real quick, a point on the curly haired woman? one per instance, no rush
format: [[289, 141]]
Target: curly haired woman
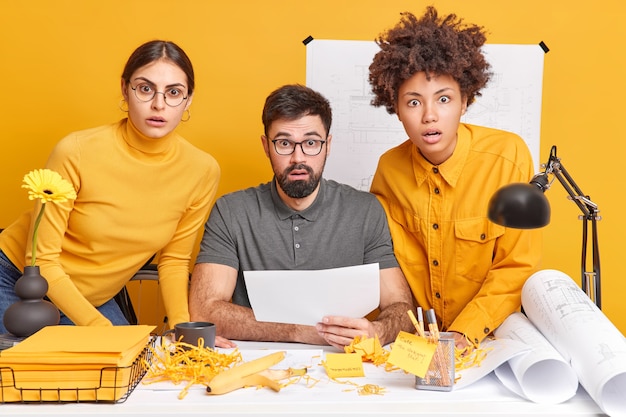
[[435, 187]]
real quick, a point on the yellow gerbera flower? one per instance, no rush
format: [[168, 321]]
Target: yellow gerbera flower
[[46, 185]]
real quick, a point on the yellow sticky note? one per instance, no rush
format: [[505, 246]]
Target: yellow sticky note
[[412, 353], [344, 365]]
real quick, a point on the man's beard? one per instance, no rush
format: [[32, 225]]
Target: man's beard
[[298, 188]]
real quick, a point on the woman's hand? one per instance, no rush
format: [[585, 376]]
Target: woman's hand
[[461, 343]]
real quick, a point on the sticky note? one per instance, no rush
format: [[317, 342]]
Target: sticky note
[[344, 365], [412, 353]]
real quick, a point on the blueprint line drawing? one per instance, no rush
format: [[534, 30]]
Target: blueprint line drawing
[[339, 70]]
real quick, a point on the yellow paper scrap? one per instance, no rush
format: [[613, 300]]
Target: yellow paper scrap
[[369, 348], [344, 365], [412, 353], [366, 345]]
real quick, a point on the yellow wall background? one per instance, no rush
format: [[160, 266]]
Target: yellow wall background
[[62, 60]]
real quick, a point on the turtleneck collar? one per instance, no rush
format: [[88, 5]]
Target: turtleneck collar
[[143, 146]]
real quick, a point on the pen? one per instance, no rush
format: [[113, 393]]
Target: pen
[[419, 329], [420, 319], [432, 325]]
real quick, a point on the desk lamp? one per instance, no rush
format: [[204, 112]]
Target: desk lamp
[[524, 206]]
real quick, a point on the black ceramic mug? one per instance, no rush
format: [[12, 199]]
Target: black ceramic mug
[[191, 331]]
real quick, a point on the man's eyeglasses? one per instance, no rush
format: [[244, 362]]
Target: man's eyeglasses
[[310, 147], [173, 97]]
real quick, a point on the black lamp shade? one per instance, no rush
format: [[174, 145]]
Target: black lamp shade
[[519, 206]]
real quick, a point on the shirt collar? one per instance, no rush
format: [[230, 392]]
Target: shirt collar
[[311, 213], [452, 168]]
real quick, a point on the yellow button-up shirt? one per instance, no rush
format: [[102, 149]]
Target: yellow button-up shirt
[[468, 269]]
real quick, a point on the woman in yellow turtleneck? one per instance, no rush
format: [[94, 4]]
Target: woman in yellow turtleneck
[[141, 189]]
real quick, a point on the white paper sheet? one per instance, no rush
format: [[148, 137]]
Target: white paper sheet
[[304, 297]]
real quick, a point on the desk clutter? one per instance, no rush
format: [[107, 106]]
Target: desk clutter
[[75, 364], [563, 348]]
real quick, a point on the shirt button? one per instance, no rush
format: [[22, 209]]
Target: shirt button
[[486, 330], [482, 236], [435, 226], [436, 190], [296, 228], [436, 262], [436, 170], [297, 246], [437, 295]]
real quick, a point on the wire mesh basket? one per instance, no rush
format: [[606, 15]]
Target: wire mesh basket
[[104, 385], [440, 373]]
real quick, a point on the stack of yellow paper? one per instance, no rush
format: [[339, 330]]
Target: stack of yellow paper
[[72, 363]]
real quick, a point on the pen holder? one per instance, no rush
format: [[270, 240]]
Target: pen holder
[[440, 374]]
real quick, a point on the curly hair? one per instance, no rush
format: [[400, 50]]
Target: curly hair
[[440, 46]]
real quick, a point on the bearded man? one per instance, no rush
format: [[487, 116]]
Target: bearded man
[[297, 221]]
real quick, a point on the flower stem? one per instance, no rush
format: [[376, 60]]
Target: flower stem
[[35, 230]]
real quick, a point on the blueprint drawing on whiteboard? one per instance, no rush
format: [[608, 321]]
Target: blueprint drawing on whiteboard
[[361, 132]]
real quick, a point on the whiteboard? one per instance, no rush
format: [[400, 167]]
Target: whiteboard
[[339, 70]]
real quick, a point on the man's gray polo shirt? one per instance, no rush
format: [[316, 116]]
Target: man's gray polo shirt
[[253, 229]]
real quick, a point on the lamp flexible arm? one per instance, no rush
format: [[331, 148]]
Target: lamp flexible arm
[[586, 206], [590, 280]]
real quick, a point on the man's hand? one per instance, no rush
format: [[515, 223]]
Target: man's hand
[[341, 331], [222, 342]]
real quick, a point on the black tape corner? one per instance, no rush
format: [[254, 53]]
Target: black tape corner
[[544, 47], [307, 40]]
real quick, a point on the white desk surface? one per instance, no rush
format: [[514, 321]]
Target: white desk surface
[[486, 397]]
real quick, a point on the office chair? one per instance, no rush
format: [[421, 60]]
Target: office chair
[[148, 272]]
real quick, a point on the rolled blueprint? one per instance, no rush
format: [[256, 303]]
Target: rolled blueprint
[[580, 331]]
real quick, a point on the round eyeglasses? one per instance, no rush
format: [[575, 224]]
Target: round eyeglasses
[[310, 147], [173, 96]]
